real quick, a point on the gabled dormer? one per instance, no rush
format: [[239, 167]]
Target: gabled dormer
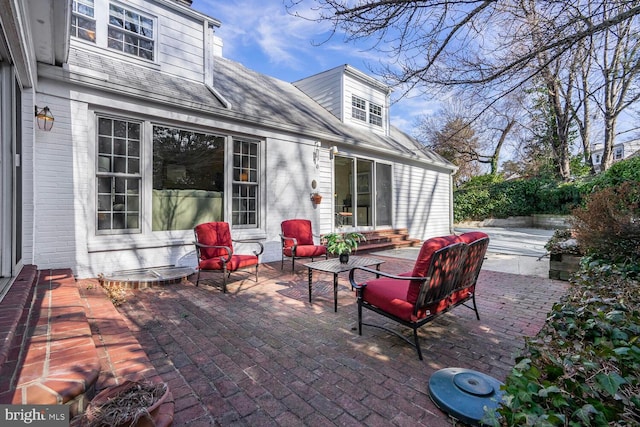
[[352, 96], [164, 35]]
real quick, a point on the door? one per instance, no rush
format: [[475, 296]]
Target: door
[[383, 195]]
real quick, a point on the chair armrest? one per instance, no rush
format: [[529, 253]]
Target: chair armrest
[[226, 248], [378, 274], [257, 242], [283, 238]]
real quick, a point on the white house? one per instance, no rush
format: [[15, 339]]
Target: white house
[[155, 131], [620, 151]]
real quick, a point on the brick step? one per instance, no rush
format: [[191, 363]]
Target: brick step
[[386, 239], [52, 358]]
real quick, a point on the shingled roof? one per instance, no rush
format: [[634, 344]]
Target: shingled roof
[[239, 94]]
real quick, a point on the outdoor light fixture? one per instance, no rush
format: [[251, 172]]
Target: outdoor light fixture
[[333, 150], [44, 118], [316, 154]]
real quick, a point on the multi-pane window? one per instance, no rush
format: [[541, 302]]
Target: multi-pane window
[[375, 114], [130, 32], [617, 153], [188, 178], [245, 184], [118, 175], [83, 22], [359, 111], [358, 108]]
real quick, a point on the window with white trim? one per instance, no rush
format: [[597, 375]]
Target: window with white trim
[[375, 114], [118, 176], [83, 20], [130, 32], [358, 108], [367, 112], [246, 177], [618, 153]]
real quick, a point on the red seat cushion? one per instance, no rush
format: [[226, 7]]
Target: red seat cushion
[[421, 267], [215, 234], [307, 251], [300, 229], [390, 296], [472, 236], [236, 262]]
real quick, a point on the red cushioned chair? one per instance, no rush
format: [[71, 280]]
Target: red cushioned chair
[[297, 242], [417, 297], [214, 248]]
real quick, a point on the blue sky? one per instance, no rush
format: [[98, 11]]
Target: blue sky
[[261, 35]]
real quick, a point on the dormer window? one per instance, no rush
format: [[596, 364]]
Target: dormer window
[[130, 32], [358, 108], [617, 154], [83, 20], [375, 114], [359, 111]]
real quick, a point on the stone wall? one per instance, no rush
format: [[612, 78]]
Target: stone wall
[[549, 222]]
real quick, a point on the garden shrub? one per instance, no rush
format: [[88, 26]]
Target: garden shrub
[[582, 368], [620, 172], [608, 227]]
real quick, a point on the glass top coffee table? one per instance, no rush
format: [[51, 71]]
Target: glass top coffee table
[[334, 266]]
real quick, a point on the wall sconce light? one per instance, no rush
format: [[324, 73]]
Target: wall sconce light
[[44, 118], [316, 154], [333, 151]]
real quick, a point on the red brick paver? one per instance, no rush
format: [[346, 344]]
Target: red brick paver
[[261, 355]]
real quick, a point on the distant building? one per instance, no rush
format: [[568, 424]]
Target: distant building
[[621, 151]]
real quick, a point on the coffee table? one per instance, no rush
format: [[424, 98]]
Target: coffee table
[[334, 266]]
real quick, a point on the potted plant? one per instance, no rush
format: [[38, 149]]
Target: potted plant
[[316, 197], [342, 244], [564, 255]]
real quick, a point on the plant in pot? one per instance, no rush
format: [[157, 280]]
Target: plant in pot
[[342, 244], [316, 197]]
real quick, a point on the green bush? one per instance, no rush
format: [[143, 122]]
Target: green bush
[[625, 171], [481, 199], [490, 196], [582, 368]]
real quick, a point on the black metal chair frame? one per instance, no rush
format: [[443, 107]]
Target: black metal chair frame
[[427, 296], [283, 238], [226, 259]]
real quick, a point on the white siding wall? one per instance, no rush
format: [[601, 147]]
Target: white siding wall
[[179, 39], [326, 89], [421, 201], [356, 87], [65, 184]]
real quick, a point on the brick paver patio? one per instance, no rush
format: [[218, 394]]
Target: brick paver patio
[[261, 355]]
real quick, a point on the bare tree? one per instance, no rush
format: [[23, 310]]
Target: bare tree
[[503, 46], [618, 61], [450, 134]]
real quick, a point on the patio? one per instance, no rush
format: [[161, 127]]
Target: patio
[[261, 355]]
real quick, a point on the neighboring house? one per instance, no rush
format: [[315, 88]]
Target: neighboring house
[[156, 132], [620, 151]]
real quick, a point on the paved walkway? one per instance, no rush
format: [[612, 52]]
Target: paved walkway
[[261, 355]]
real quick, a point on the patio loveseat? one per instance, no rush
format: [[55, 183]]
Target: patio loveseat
[[443, 277]]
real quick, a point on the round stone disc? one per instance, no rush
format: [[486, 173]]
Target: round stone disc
[[464, 394]]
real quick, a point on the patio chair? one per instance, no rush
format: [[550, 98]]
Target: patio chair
[[297, 242], [466, 287], [415, 298], [214, 248]]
